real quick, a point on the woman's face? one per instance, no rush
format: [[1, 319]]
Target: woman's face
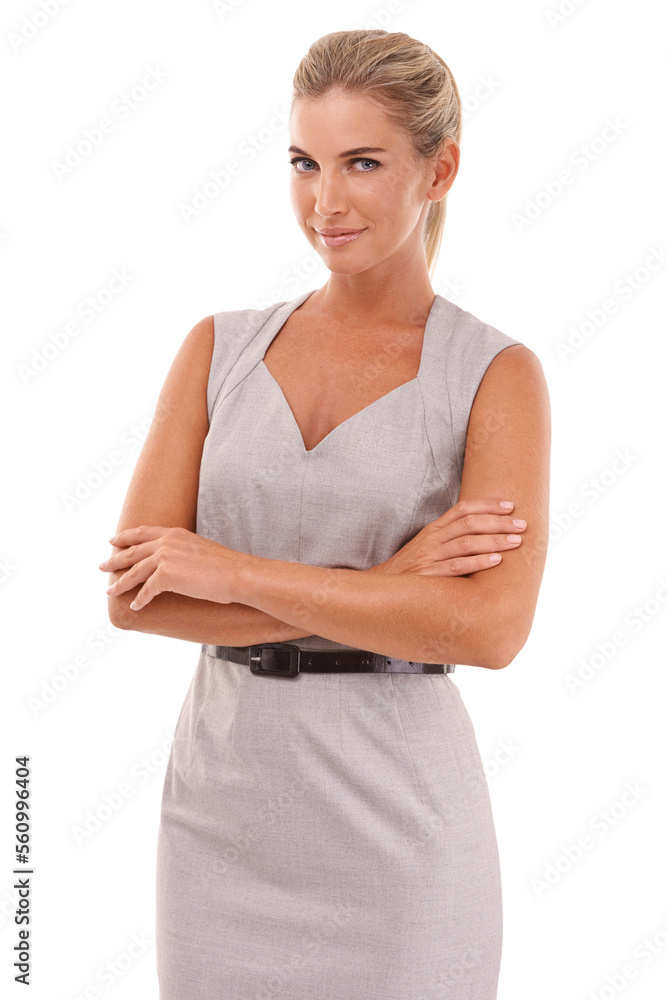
[[353, 169]]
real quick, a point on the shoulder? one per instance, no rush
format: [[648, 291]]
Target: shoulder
[[514, 374], [517, 365], [230, 346], [510, 417], [197, 346], [513, 398], [465, 347], [234, 321], [469, 335], [200, 340], [479, 351], [210, 340], [193, 359], [208, 345]]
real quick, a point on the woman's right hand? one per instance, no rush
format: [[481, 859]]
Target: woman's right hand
[[462, 541]]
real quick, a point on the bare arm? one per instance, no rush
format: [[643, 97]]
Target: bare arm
[[508, 452], [163, 490], [203, 621], [483, 619]]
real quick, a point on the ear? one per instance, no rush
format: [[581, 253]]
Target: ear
[[445, 168]]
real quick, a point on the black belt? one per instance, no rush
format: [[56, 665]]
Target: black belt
[[285, 659]]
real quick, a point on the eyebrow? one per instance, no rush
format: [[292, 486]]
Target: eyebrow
[[350, 152]]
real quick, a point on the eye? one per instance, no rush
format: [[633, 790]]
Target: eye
[[365, 159], [358, 159], [300, 159]]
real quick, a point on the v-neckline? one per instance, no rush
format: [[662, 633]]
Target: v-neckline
[[274, 333]]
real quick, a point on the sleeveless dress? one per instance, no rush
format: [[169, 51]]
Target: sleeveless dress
[[329, 836]]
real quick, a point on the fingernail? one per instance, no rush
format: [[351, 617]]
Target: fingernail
[[506, 503]]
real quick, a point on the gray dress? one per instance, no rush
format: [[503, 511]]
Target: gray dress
[[329, 836]]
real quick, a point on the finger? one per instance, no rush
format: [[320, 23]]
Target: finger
[[143, 533], [463, 565], [473, 505], [473, 545], [137, 574], [472, 524], [151, 587], [143, 597], [126, 557]]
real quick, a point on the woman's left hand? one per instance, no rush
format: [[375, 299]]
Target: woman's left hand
[[173, 559]]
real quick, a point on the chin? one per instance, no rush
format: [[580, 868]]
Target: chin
[[335, 268]]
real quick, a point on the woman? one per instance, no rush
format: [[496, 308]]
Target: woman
[[331, 475]]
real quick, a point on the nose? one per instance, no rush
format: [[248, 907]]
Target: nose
[[330, 198]]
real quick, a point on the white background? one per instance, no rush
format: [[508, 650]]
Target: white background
[[538, 92]]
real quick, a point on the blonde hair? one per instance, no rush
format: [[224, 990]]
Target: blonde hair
[[408, 80]]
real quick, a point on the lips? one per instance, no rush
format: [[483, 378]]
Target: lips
[[338, 232], [341, 237]]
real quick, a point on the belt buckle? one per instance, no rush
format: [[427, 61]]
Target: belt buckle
[[274, 668]]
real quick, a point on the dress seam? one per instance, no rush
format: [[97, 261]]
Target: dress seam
[[195, 726], [221, 395], [405, 738], [430, 446], [303, 484], [449, 396], [433, 462]]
